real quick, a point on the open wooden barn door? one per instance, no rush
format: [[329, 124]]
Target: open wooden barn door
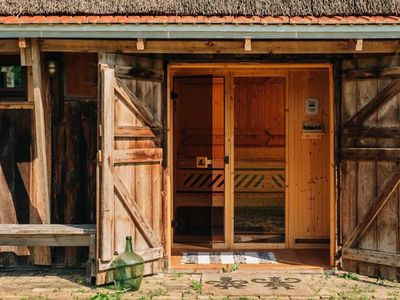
[[130, 160], [370, 169]]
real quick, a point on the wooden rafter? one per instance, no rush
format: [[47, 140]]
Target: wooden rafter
[[134, 212], [136, 105], [389, 186], [381, 98]]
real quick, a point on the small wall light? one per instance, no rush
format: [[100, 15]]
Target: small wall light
[[51, 67]]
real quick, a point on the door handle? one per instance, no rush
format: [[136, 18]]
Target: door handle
[[202, 162]]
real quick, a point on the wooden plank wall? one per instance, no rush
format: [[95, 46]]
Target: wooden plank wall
[[74, 147], [308, 159], [144, 181], [15, 176], [362, 180], [259, 118]]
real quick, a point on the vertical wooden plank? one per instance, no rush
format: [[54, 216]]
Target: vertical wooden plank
[[40, 209], [107, 164], [293, 183], [157, 200], [143, 175], [169, 179], [123, 225], [367, 177], [349, 168], [229, 103], [331, 166], [387, 220]]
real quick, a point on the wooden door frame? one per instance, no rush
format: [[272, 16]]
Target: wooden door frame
[[249, 69]]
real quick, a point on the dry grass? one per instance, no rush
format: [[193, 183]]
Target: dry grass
[[201, 7]]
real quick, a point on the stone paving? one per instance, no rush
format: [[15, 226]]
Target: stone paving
[[238, 285]]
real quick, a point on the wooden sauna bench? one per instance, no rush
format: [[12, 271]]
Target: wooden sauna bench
[[55, 235]]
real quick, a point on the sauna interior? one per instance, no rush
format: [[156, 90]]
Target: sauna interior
[[251, 158]]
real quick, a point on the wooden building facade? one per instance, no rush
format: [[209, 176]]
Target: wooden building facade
[[199, 144]]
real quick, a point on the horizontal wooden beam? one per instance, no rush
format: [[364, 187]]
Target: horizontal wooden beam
[[372, 73], [371, 153], [365, 132], [46, 240], [375, 257], [138, 72], [150, 155], [16, 105], [220, 46], [151, 254], [133, 132], [9, 46], [46, 229]]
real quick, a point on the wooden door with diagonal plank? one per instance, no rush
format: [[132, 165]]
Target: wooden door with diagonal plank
[[370, 169], [130, 160]]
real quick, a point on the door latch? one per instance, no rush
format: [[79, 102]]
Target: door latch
[[202, 162]]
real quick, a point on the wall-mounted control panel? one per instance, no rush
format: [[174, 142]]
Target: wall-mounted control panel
[[311, 106]]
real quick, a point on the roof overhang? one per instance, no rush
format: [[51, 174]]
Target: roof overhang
[[200, 31]]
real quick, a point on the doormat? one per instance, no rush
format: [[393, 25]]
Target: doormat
[[256, 284], [205, 258]]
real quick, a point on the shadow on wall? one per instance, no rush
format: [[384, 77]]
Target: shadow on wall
[[15, 176]]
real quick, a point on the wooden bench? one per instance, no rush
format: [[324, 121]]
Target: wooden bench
[[53, 235]]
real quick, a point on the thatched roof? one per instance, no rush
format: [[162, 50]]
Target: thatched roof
[[202, 7]]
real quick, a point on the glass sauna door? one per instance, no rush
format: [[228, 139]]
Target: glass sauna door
[[259, 160], [199, 139]]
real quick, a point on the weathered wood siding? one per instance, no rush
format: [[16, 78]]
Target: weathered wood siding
[[74, 145], [15, 175], [364, 176]]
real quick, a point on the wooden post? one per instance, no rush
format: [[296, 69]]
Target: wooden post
[[40, 205], [107, 164], [25, 52]]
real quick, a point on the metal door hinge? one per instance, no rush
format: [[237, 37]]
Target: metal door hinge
[[174, 96], [99, 156], [226, 160], [174, 224]]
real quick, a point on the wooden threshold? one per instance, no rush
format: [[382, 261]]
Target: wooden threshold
[[310, 259]]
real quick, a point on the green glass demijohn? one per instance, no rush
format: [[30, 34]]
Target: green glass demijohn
[[127, 268]]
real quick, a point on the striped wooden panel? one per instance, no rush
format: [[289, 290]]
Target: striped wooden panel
[[200, 180], [263, 181], [266, 181]]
